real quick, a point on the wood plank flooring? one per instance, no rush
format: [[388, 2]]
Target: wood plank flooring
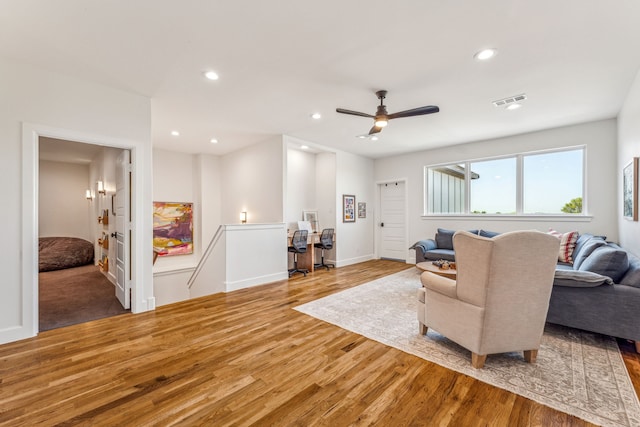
[[246, 358]]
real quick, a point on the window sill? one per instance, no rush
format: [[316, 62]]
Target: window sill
[[523, 218]]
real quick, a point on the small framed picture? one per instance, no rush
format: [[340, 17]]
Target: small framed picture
[[312, 217], [362, 210], [348, 208], [630, 190]]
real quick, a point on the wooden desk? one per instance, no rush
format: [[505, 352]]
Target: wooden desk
[[307, 259]]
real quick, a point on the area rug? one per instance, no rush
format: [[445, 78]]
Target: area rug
[[576, 372]]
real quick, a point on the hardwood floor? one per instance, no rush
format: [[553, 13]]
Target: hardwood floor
[[247, 358]]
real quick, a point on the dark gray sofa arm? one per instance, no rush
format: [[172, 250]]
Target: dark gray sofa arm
[[423, 246]]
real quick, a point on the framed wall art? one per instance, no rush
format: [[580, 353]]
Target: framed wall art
[[172, 228], [630, 190], [312, 217], [362, 210], [348, 208]]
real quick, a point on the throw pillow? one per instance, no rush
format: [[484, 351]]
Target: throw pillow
[[607, 261], [632, 276], [580, 279], [444, 238], [581, 253], [567, 244], [489, 234]]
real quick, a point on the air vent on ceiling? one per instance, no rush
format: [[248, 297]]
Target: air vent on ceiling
[[510, 100]]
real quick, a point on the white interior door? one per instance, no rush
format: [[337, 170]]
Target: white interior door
[[123, 228], [392, 224]]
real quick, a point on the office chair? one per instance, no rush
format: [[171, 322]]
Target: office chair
[[326, 242], [298, 246]]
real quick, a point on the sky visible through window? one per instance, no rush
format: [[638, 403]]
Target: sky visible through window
[[550, 180]]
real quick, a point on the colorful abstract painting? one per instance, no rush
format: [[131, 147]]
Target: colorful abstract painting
[[172, 228]]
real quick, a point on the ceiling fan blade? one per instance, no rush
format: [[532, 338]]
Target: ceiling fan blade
[[354, 113], [375, 130], [429, 109]]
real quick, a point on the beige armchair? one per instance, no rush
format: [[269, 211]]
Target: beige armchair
[[499, 300]]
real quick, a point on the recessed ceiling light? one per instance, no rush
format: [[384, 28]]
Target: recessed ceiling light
[[316, 116], [304, 147], [485, 54], [175, 133], [363, 136], [211, 75], [513, 106], [214, 141], [374, 138]]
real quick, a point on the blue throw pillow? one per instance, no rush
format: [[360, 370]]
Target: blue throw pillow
[[608, 261], [444, 238], [489, 234], [632, 276], [582, 252]]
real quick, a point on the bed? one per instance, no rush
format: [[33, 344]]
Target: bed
[[57, 253]]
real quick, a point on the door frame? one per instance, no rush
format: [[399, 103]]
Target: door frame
[[378, 210], [141, 240]]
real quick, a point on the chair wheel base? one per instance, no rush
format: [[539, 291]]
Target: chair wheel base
[[298, 270]]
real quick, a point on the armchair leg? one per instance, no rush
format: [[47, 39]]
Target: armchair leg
[[530, 356], [477, 360], [637, 346], [423, 329]]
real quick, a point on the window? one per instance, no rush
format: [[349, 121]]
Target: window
[[542, 183]]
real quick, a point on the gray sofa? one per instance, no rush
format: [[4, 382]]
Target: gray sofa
[[599, 291]]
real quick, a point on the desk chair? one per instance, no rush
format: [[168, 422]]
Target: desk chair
[[298, 246], [326, 242]]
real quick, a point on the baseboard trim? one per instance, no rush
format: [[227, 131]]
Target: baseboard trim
[[254, 281], [356, 260]]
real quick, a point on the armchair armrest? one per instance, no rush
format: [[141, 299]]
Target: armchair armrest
[[440, 284]]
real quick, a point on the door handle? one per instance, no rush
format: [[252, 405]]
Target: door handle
[[382, 224], [114, 234]]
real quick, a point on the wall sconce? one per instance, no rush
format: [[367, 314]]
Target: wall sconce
[[101, 189], [243, 217], [88, 194]]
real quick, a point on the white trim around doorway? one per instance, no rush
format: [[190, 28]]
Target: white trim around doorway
[[141, 267]]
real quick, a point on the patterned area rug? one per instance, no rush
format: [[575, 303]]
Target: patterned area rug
[[576, 372]]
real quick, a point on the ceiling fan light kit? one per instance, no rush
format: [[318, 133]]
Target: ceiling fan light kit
[[382, 117]]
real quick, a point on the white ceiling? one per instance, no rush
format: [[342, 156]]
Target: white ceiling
[[281, 60]]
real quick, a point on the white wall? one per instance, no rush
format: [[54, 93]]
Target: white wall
[[601, 168], [354, 240], [628, 148], [254, 182], [301, 186], [56, 105], [63, 208], [174, 180], [325, 189]]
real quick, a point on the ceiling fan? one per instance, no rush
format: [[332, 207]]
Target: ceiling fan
[[381, 118]]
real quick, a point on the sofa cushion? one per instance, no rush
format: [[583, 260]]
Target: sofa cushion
[[608, 261], [437, 254], [580, 279], [488, 234], [567, 244], [632, 276], [444, 238], [583, 251]]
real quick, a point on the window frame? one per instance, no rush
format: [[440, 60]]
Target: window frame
[[519, 215]]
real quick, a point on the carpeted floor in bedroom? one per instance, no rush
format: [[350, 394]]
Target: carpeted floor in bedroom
[[75, 295]]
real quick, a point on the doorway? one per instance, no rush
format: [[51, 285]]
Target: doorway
[[142, 298], [392, 227], [77, 282]]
